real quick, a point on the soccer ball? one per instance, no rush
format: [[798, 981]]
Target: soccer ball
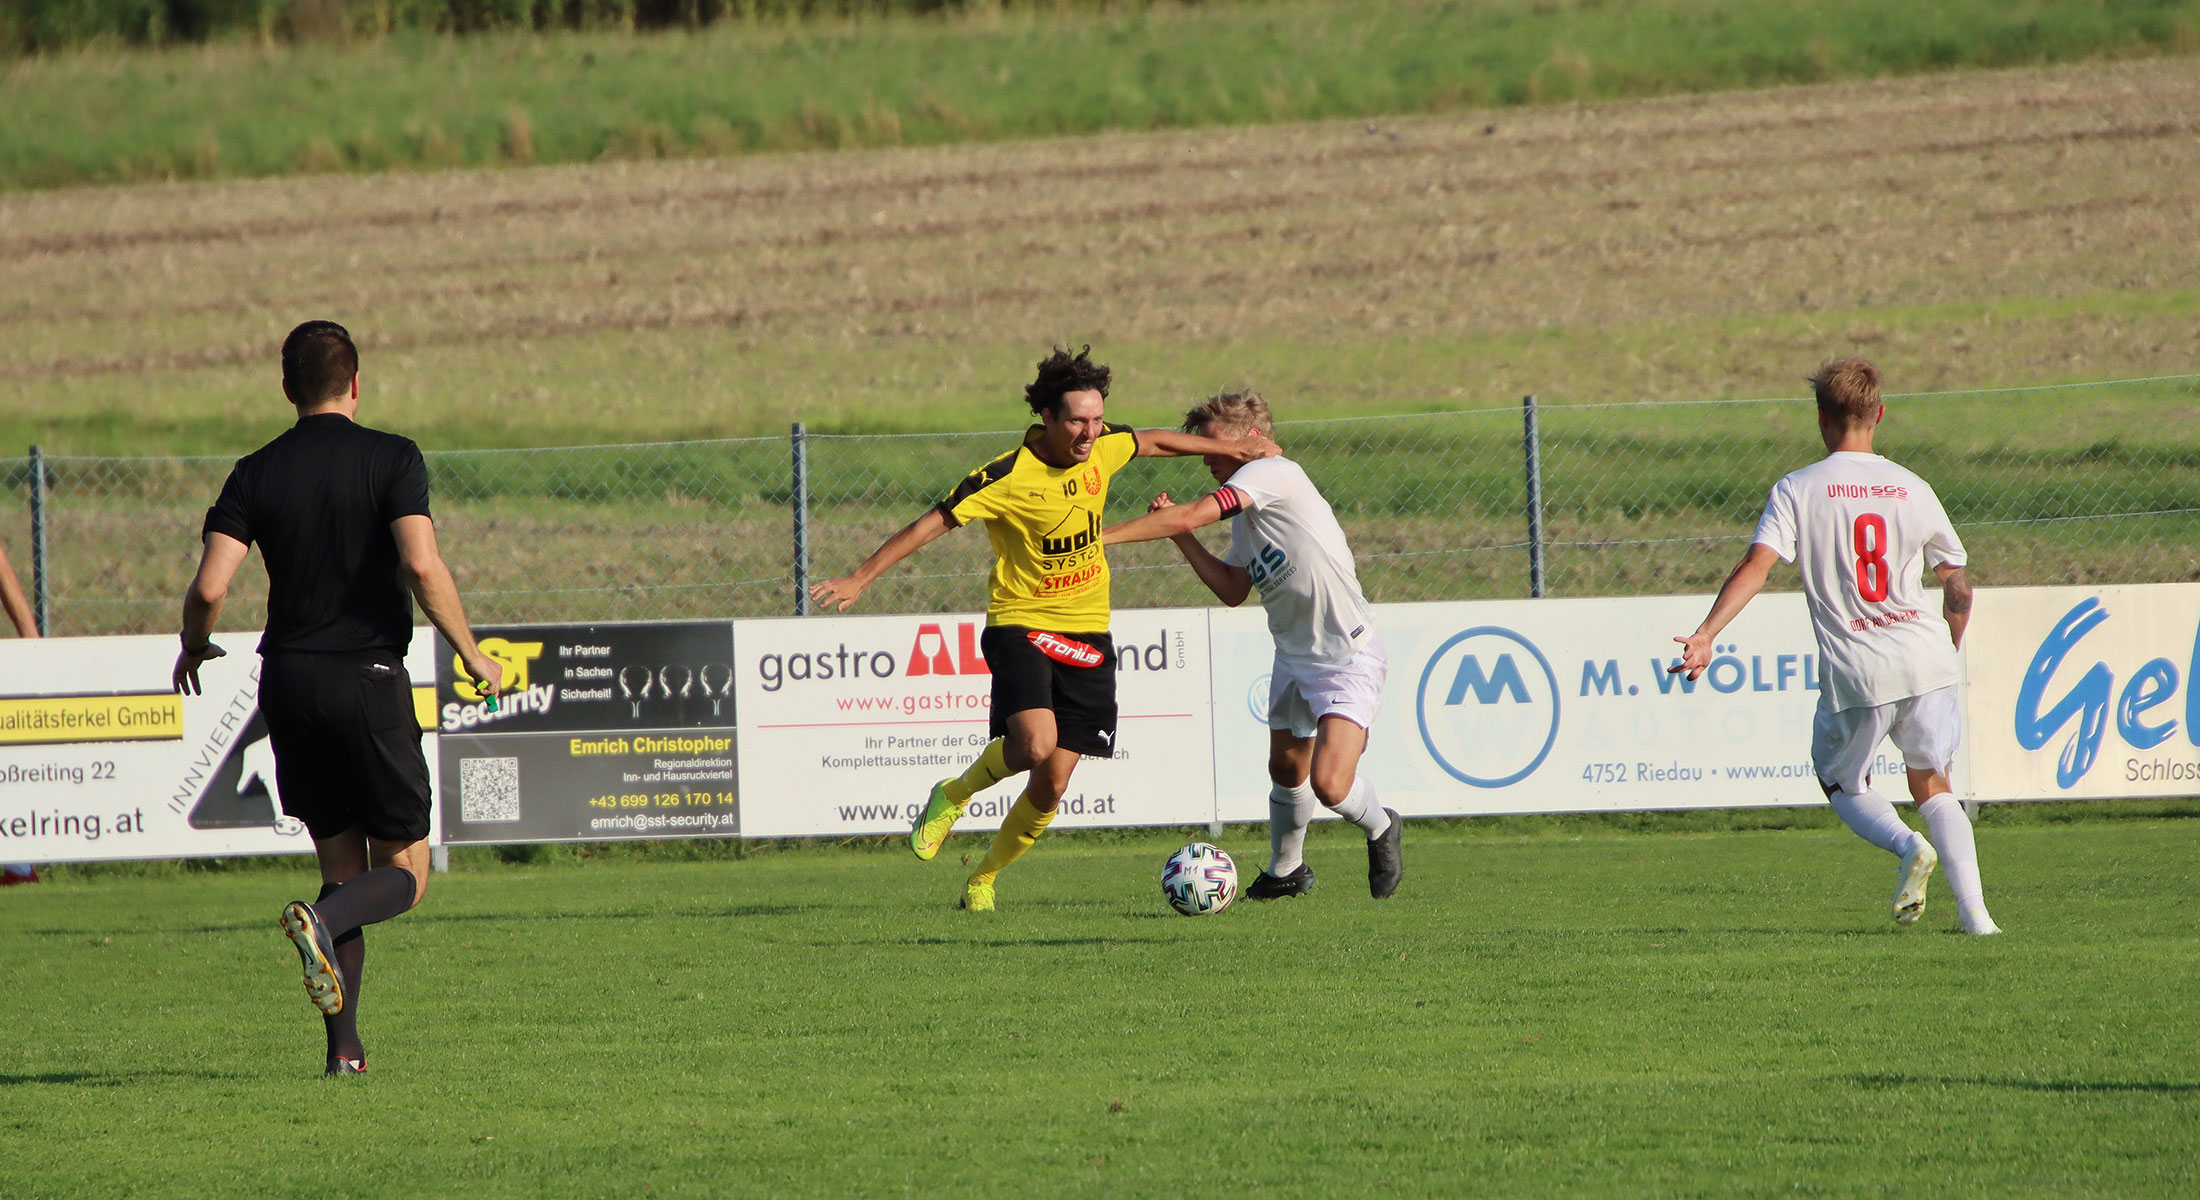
[[1199, 879]]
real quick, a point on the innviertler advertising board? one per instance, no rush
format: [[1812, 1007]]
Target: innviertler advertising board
[[846, 722], [100, 758], [605, 732]]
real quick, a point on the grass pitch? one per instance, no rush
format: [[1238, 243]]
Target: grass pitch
[[1548, 1007]]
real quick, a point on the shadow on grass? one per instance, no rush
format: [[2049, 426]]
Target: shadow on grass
[[2072, 1086], [996, 943], [106, 1078]]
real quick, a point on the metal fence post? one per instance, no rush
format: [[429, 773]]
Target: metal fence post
[[38, 541], [1532, 442], [800, 501]]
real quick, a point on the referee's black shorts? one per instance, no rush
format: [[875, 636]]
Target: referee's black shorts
[[347, 743], [1081, 698]]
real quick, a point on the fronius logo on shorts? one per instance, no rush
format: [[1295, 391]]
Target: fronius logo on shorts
[[1066, 650], [1488, 707], [928, 654]]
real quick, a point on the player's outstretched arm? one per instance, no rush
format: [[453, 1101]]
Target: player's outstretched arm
[[1168, 443], [1955, 600], [430, 579], [1742, 584], [1229, 584], [1164, 518], [202, 608], [842, 591]]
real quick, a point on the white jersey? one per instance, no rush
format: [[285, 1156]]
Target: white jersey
[[1861, 528], [1289, 540]]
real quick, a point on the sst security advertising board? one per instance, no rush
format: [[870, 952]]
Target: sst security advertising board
[[1552, 705], [605, 732], [846, 722], [2085, 692], [100, 759]]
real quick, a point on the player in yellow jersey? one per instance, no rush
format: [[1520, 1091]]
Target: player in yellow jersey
[[1046, 638]]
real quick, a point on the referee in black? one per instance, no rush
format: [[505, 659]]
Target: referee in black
[[341, 515]]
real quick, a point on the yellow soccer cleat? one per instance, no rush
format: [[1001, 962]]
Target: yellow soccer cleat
[[977, 897], [939, 816]]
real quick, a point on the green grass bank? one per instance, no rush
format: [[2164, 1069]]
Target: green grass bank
[[255, 106], [1597, 1013]]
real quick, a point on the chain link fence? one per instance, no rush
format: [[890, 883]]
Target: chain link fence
[[2073, 484]]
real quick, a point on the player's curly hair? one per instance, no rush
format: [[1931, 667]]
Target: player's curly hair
[[1848, 389], [1231, 414], [1061, 373]]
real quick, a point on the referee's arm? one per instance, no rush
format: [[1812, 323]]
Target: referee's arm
[[437, 592], [202, 608]]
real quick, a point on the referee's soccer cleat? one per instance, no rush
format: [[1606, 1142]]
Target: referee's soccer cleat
[[339, 1065], [1385, 865], [937, 817], [317, 952], [1295, 882], [1909, 889], [977, 897]]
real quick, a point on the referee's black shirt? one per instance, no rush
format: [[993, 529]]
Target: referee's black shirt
[[319, 500]]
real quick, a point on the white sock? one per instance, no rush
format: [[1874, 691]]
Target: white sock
[[1361, 809], [1870, 816], [1951, 834], [1290, 811]]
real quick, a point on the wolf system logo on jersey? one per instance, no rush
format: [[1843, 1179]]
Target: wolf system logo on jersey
[[1488, 707]]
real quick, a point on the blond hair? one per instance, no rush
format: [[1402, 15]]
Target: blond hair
[[1847, 389], [1231, 414]]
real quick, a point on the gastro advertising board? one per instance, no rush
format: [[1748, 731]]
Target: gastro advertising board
[[1527, 706], [2085, 692], [606, 732], [846, 722], [100, 759]]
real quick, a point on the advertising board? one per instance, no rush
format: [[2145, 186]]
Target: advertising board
[[100, 759], [846, 722], [2085, 692], [606, 732], [1527, 706]]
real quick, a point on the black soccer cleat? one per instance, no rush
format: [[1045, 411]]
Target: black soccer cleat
[[1281, 887], [1385, 866], [339, 1066]]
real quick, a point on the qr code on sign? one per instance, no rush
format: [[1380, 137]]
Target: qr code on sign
[[488, 789]]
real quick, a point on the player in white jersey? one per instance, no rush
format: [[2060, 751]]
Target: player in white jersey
[[1327, 682], [1860, 528]]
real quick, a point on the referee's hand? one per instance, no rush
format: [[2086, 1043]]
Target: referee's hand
[[185, 677], [487, 674]]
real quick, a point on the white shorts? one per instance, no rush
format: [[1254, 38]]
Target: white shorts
[[1925, 729], [1300, 696]]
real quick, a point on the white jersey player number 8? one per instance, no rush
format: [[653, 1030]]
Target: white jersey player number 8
[[1863, 529]]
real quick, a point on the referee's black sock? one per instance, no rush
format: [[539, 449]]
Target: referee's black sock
[[375, 896], [351, 960]]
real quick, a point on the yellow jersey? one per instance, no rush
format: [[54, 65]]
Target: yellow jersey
[[1044, 522]]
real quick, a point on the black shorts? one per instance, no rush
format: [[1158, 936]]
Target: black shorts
[[1082, 699], [347, 743]]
